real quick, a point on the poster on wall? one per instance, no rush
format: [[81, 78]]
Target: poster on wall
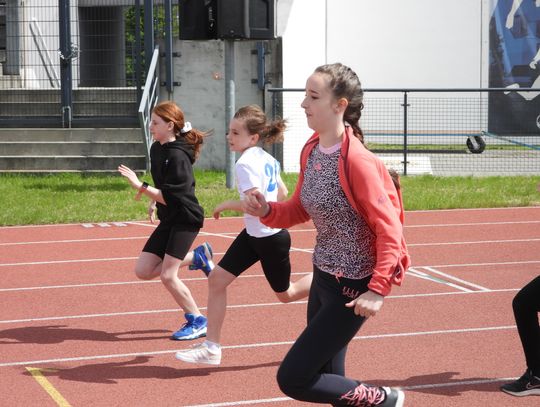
[[514, 63]]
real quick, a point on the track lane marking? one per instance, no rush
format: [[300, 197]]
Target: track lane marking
[[104, 239], [417, 273], [105, 259], [37, 374], [459, 280], [474, 242], [114, 283], [508, 263], [233, 234], [444, 225], [413, 387], [262, 345], [268, 304]]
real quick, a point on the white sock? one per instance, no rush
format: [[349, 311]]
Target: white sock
[[212, 345]]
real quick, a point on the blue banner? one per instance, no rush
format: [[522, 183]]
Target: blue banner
[[514, 63]]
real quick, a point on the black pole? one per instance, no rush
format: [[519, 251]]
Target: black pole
[[405, 131], [66, 54], [148, 32], [168, 48], [230, 109], [138, 50]]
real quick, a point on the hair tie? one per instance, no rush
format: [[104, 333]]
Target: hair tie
[[187, 128]]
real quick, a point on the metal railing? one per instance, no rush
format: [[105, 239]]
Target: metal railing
[[44, 54], [148, 101], [489, 131]]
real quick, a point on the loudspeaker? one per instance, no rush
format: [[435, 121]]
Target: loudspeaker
[[246, 19], [197, 19], [262, 19]]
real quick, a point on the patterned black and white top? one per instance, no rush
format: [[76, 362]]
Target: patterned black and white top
[[345, 246]]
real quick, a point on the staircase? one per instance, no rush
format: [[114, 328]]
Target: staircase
[[105, 131], [92, 107], [92, 150], [2, 33]]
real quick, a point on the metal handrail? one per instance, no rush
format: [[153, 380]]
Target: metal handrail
[[35, 30], [148, 101]]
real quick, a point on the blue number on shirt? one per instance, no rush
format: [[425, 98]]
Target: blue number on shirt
[[271, 173]]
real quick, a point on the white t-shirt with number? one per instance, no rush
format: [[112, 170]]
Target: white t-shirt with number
[[257, 169]]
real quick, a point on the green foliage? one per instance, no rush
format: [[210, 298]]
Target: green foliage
[[429, 192], [74, 198], [131, 23]]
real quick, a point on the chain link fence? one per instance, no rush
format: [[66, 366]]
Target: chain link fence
[[442, 132]]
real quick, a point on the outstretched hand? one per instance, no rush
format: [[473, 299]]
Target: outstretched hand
[[367, 304], [130, 175], [217, 212], [254, 203], [152, 211]]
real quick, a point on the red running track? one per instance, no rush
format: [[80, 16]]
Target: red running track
[[77, 328]]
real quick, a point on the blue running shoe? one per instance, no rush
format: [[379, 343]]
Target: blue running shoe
[[194, 328], [202, 258]]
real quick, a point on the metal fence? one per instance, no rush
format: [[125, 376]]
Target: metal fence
[[105, 53], [442, 132]]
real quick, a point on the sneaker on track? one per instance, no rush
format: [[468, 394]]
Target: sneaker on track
[[394, 397], [365, 395], [195, 327], [526, 385], [202, 258], [200, 353]]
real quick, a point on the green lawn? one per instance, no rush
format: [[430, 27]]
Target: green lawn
[[73, 198]]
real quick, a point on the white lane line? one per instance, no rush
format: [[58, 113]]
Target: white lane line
[[127, 313], [51, 287], [413, 387], [505, 208], [112, 314], [444, 225], [233, 236], [243, 402], [34, 263], [473, 242], [262, 345], [228, 235], [417, 273], [104, 239], [504, 263], [459, 280], [269, 304]]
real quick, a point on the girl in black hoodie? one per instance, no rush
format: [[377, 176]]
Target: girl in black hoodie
[[176, 147]]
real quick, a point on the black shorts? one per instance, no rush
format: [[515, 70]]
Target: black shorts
[[174, 240], [271, 251]]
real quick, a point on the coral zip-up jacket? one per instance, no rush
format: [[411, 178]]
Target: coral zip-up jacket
[[371, 192]]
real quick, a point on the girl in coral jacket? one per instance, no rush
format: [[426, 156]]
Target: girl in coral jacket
[[360, 252]]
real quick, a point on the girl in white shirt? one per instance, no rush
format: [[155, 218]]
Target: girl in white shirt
[[255, 170]]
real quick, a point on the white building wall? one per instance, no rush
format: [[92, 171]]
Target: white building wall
[[390, 44]]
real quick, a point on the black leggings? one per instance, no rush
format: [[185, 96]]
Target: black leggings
[[526, 305], [314, 368]]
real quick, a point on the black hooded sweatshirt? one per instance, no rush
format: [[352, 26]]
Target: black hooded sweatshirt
[[172, 172]]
